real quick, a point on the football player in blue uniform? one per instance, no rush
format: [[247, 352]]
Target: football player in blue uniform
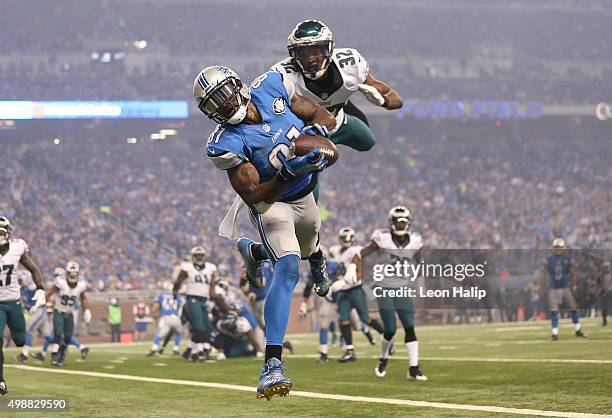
[[253, 144], [169, 309], [559, 274]]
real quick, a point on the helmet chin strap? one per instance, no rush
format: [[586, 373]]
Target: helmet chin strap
[[239, 115]]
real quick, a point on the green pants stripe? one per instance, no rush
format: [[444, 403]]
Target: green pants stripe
[[353, 299], [11, 314], [388, 307], [63, 327], [197, 315]]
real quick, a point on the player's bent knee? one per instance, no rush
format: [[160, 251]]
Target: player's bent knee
[[389, 335]]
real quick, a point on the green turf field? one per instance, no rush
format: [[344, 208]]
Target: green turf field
[[495, 365]]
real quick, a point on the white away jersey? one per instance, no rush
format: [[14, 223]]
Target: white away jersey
[[9, 284], [353, 70], [345, 257], [67, 298], [389, 253], [198, 281]]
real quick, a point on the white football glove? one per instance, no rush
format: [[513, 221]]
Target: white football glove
[[39, 299], [87, 316], [303, 310], [372, 94], [350, 277]]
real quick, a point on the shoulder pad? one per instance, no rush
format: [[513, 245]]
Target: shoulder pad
[[226, 148]]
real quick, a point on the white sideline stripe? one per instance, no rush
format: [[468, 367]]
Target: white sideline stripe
[[477, 359], [403, 402]]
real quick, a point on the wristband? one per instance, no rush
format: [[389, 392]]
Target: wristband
[[386, 102]]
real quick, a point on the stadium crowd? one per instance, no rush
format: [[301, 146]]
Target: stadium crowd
[[129, 212], [466, 50]]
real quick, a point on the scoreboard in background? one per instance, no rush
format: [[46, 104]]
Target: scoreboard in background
[[24, 110]]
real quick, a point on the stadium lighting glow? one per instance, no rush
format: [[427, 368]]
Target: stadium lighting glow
[[132, 140], [168, 132], [141, 44], [56, 141], [155, 135]]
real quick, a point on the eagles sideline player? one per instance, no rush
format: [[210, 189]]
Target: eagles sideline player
[[396, 242], [559, 273], [69, 289], [199, 278], [252, 143], [12, 253], [351, 295], [329, 76]]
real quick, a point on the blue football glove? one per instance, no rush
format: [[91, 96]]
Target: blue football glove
[[315, 129], [313, 162]]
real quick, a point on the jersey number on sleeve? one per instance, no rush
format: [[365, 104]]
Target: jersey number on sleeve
[[348, 59], [8, 270]]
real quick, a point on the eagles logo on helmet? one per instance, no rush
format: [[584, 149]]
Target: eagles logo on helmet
[[198, 256], [346, 236], [5, 230], [400, 220], [311, 46], [72, 273]]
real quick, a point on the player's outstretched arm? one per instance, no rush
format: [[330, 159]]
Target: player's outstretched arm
[[386, 97], [177, 284], [245, 181], [311, 112], [358, 258], [31, 266]]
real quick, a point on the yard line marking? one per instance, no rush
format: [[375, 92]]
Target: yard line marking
[[402, 402]]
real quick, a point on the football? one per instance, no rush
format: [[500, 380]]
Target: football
[[306, 143]]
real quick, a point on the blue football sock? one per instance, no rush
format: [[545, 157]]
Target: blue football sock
[[554, 318], [28, 339], [323, 336], [278, 301], [575, 316], [74, 341], [48, 340]]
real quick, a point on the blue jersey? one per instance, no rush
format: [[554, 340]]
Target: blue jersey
[[27, 296], [265, 145], [168, 305], [558, 268]]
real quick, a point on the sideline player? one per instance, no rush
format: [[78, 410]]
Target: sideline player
[[253, 145], [395, 241], [169, 309], [69, 290], [559, 274], [199, 277], [12, 253]]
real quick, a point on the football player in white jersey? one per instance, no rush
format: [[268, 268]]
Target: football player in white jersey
[[199, 278], [398, 242], [68, 291], [329, 76], [351, 295], [12, 253]]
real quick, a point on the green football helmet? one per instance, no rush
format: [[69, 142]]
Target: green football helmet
[[311, 45], [198, 256], [346, 236], [5, 230], [72, 273], [400, 220]]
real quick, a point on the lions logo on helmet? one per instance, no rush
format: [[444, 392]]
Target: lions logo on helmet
[[198, 256], [346, 236], [5, 230], [72, 273], [311, 46], [400, 220], [221, 95]]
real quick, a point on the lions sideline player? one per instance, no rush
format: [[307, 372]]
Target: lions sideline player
[[12, 253], [396, 241], [252, 143], [559, 273]]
